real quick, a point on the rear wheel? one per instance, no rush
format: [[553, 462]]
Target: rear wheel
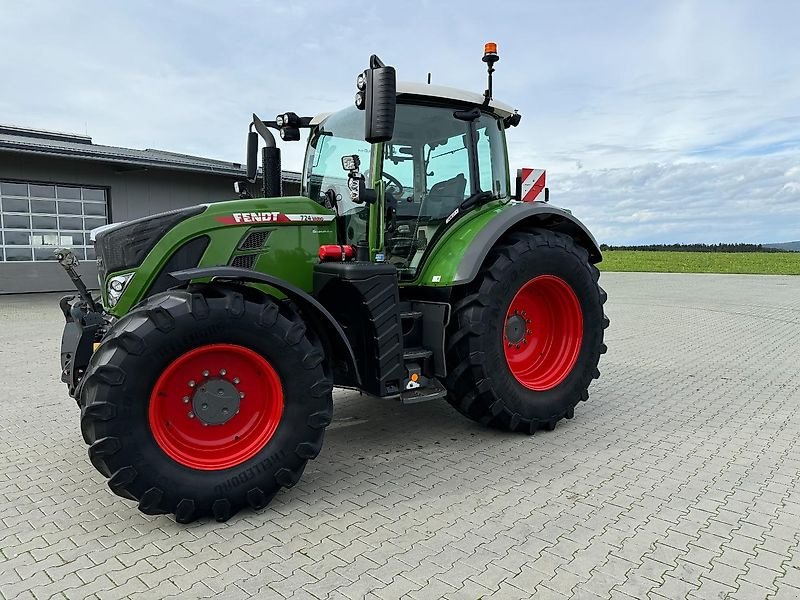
[[203, 401], [526, 337]]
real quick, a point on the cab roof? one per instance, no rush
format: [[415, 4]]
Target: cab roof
[[421, 90], [407, 88]]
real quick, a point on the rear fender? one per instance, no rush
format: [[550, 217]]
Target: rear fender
[[462, 253], [333, 338], [522, 216]]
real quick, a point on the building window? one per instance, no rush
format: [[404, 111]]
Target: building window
[[37, 218]]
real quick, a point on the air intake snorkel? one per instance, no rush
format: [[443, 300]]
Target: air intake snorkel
[[289, 125], [270, 159]]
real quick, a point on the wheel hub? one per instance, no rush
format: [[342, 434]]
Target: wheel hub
[[216, 401], [515, 329], [541, 357], [215, 406]]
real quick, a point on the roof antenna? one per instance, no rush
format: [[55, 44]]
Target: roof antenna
[[489, 57], [429, 78]]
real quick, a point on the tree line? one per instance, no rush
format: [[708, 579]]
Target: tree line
[[696, 248]]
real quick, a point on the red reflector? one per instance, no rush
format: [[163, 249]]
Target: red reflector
[[331, 252]]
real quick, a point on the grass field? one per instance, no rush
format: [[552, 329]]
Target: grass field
[[759, 263]]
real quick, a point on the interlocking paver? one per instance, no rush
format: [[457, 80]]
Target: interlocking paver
[[678, 479]]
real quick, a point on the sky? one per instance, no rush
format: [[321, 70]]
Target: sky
[[658, 121]]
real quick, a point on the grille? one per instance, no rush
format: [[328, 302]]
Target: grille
[[254, 240], [245, 261]]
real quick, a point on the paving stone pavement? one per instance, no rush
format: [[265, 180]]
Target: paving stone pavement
[[677, 479]]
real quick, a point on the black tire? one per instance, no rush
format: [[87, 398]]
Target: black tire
[[122, 373], [480, 383]]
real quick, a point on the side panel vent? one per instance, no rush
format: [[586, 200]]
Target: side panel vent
[[254, 240], [244, 261]]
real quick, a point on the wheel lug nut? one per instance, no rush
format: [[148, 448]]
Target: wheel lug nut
[[191, 383], [205, 373], [190, 415], [223, 372], [186, 399], [241, 394], [236, 380]]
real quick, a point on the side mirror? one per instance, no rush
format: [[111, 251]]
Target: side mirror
[[377, 96], [252, 156]]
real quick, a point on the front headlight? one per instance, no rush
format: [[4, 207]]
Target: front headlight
[[115, 286]]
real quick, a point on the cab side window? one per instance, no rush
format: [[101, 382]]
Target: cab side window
[[492, 157], [447, 161]]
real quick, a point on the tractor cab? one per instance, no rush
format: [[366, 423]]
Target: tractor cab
[[444, 157]]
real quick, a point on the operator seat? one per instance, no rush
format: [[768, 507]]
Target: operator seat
[[446, 196]]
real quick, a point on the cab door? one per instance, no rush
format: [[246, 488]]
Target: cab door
[[432, 165]]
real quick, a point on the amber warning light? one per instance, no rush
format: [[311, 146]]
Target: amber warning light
[[490, 57]]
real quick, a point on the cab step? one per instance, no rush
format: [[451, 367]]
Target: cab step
[[416, 354], [433, 391], [411, 315]]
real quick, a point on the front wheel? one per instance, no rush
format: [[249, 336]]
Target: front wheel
[[527, 336], [200, 402]]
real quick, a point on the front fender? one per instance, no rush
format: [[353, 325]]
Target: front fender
[[462, 253], [337, 346]]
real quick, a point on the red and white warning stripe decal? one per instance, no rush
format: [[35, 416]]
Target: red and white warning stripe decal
[[533, 181], [239, 218]]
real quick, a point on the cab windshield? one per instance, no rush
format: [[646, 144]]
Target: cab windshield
[[325, 180]]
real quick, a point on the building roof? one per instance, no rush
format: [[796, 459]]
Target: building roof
[[80, 147]]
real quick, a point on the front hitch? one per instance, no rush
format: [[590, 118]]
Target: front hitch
[[67, 259], [84, 327]]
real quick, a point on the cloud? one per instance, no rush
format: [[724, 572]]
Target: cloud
[[751, 199], [646, 115]]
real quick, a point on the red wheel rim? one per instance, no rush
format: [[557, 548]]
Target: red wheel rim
[[178, 411], [543, 332]]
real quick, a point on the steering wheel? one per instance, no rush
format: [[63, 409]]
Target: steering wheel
[[396, 183]]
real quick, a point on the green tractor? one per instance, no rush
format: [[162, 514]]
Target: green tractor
[[407, 269]]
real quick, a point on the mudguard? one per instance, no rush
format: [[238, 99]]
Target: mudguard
[[337, 346], [456, 257], [515, 216]]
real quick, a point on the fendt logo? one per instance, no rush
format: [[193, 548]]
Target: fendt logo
[[253, 217], [273, 217], [256, 217]]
